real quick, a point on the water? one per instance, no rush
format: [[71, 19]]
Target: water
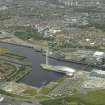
[[38, 76]]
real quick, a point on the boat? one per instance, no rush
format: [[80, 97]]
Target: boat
[[61, 69]]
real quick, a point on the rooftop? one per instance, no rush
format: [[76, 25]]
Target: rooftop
[[98, 71]]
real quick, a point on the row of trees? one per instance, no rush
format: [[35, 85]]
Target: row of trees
[[28, 33]]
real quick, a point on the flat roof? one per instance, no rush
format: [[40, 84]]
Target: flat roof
[[99, 71]]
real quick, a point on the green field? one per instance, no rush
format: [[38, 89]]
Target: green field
[[91, 98]]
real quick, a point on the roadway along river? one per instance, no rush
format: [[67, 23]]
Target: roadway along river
[[38, 76]]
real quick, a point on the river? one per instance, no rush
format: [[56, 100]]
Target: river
[[38, 76]]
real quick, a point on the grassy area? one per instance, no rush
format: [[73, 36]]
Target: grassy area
[[3, 50], [42, 97], [14, 56], [18, 91], [28, 33], [30, 92], [23, 70], [10, 70], [92, 98], [45, 90], [48, 88], [13, 95]]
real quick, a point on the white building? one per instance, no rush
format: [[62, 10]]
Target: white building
[[98, 73], [99, 54]]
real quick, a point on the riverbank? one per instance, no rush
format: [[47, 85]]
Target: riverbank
[[13, 67], [81, 84], [65, 86], [41, 50], [37, 76], [17, 41], [40, 47]]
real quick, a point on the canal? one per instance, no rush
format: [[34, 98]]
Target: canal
[[38, 76]]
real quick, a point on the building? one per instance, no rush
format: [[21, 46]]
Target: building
[[99, 54], [97, 73], [81, 3]]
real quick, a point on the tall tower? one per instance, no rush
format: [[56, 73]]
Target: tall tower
[[47, 53], [76, 3]]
